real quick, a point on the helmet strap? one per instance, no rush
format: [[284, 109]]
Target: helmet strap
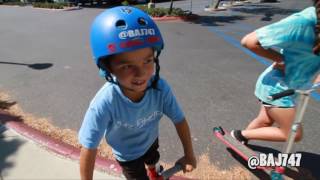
[[109, 78], [108, 75], [156, 76]]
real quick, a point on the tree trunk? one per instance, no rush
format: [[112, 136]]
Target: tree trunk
[[171, 7]]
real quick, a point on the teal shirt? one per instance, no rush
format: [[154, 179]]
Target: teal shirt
[[294, 37]]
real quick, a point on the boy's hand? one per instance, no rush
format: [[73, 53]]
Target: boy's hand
[[189, 163]]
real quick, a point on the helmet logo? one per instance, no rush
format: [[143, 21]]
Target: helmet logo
[[126, 10], [131, 43], [153, 39], [112, 48], [136, 33]]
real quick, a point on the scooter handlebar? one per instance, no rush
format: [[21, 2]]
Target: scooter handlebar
[[173, 170], [285, 93]]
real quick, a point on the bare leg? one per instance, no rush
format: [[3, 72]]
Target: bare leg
[[262, 120], [283, 117]]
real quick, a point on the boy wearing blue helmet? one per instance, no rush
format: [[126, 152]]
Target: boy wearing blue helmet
[[126, 44]]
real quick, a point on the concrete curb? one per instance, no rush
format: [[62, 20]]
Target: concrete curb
[[59, 147], [64, 9], [47, 9], [56, 146], [192, 17]]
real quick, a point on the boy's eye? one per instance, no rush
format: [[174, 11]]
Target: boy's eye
[[126, 67], [148, 61]]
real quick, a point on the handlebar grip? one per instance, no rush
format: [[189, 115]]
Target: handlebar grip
[[170, 172], [285, 93]]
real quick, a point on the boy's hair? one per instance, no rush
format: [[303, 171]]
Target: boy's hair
[[316, 47]]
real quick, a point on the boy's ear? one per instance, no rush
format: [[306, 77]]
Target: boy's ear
[[108, 68], [103, 64]]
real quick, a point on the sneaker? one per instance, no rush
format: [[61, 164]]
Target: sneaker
[[236, 134]]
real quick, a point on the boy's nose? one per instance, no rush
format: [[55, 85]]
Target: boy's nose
[[140, 72]]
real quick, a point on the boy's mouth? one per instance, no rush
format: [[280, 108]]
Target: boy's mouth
[[138, 82]]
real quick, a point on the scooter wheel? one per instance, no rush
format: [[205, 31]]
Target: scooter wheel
[[159, 169], [218, 130]]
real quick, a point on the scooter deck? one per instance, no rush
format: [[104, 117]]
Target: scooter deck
[[234, 144], [241, 149]]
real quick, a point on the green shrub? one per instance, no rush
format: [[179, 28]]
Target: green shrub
[[160, 12], [49, 5], [178, 12], [125, 3], [14, 3]]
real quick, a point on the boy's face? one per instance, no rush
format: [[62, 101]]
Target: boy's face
[[133, 69]]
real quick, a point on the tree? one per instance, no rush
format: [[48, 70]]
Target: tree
[[171, 7]]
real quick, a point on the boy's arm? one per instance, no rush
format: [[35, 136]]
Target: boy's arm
[[251, 42], [87, 161], [189, 161]]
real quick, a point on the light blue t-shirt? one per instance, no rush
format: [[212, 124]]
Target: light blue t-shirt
[[129, 127], [294, 36]]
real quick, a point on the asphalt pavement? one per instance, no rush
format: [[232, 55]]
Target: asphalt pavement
[[212, 76]]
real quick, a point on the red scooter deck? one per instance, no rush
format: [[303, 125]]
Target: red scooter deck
[[239, 148]]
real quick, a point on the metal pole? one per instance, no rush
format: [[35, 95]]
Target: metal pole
[[303, 102], [216, 5]]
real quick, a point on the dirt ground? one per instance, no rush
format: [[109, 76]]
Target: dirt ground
[[204, 170]]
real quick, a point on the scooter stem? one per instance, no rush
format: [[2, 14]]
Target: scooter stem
[[302, 105]]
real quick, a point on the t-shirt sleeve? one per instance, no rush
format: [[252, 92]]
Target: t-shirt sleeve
[[171, 106], [282, 33], [93, 127]]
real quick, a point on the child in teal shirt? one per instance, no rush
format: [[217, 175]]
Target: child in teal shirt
[[292, 46]]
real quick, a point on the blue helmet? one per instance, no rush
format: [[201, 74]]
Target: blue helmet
[[122, 29]]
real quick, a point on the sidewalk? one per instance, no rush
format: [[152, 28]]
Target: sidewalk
[[21, 158]]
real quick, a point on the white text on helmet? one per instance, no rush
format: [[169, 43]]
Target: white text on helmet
[[136, 33]]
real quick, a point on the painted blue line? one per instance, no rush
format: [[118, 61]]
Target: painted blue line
[[315, 96], [232, 30], [236, 43]]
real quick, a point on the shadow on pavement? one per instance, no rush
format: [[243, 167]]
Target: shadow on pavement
[[308, 167], [218, 20], [257, 173], [9, 145], [6, 104], [36, 66], [311, 162], [266, 10]]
